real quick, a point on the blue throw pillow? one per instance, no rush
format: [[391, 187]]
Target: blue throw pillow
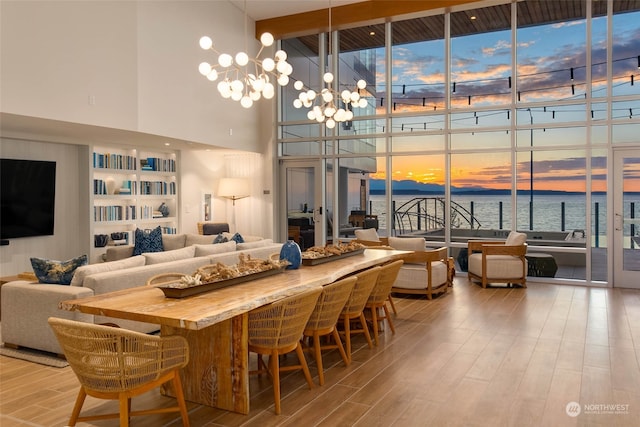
[[56, 272], [220, 239], [148, 241], [237, 238]]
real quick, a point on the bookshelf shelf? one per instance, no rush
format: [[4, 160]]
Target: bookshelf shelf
[[129, 185]]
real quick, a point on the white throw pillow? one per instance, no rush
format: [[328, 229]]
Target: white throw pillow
[[516, 239], [166, 256], [368, 234], [215, 248], [86, 270], [407, 243]]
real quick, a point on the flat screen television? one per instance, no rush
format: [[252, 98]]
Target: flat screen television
[[27, 198]]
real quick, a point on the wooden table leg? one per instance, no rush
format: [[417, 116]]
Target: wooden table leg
[[218, 373]]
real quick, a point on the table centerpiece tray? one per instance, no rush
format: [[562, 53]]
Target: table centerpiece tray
[[181, 290], [330, 258]]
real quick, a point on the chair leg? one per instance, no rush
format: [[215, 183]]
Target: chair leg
[[77, 407], [365, 329], [388, 317], [275, 375], [393, 305], [303, 364], [124, 410], [177, 386], [318, 354], [336, 337], [374, 320], [347, 335]]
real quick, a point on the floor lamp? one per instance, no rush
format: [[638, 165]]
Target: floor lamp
[[234, 189]]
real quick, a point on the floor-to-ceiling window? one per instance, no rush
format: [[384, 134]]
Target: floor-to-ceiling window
[[480, 121]]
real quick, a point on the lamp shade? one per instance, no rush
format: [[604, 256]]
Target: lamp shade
[[233, 188]]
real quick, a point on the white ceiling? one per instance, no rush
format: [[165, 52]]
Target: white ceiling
[[265, 9]]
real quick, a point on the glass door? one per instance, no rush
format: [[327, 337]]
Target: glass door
[[301, 203], [626, 238]]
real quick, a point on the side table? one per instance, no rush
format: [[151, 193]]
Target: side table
[[541, 265]]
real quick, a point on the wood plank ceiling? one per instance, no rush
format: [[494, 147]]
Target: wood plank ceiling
[[472, 21]]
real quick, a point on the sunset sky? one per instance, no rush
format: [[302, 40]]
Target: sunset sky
[[481, 66]]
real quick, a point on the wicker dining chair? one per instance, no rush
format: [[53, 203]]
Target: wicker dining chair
[[118, 364], [380, 295], [324, 318], [276, 329], [354, 308]]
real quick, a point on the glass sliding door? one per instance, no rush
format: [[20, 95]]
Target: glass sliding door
[[626, 233]]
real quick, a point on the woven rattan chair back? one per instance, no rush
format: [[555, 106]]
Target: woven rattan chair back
[[380, 295], [386, 279], [365, 282], [276, 329], [279, 325], [324, 318], [354, 307], [332, 300], [115, 363]]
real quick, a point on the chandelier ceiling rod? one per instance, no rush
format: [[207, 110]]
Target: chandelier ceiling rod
[[322, 105]]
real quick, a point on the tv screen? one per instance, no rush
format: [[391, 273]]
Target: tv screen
[[27, 198]]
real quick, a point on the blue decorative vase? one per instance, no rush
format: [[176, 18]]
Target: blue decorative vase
[[291, 252]]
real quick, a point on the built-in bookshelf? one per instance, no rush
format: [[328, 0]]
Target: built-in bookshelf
[[132, 188]]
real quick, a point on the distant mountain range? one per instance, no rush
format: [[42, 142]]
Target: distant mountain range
[[407, 186]]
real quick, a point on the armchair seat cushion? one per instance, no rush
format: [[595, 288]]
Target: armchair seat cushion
[[414, 276], [498, 266]]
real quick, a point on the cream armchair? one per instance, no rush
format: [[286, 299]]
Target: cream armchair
[[499, 261], [424, 272], [369, 237]]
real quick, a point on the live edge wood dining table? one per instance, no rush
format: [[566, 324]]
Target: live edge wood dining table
[[216, 323]]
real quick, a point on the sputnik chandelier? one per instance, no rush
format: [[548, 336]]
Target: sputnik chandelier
[[247, 79], [323, 105]]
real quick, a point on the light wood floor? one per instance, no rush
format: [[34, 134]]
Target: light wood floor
[[494, 357]]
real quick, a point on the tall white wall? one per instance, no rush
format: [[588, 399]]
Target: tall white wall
[[71, 227], [129, 65], [69, 60]]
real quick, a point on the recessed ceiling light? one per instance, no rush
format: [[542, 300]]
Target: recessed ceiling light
[[372, 33], [472, 17], [167, 144]]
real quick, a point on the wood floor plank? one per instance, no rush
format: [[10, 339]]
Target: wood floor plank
[[473, 357]]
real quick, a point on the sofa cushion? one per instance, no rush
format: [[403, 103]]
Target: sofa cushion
[[516, 239], [56, 272], [407, 243], [368, 234], [148, 241], [217, 248], [86, 270], [166, 256], [256, 244], [198, 239], [173, 241]]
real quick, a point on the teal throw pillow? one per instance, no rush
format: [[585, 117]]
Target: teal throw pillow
[[56, 272], [237, 238], [148, 241], [220, 239]]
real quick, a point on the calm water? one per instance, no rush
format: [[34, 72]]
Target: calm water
[[547, 211]]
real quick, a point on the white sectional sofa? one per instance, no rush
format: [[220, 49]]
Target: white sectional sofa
[[26, 306]]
